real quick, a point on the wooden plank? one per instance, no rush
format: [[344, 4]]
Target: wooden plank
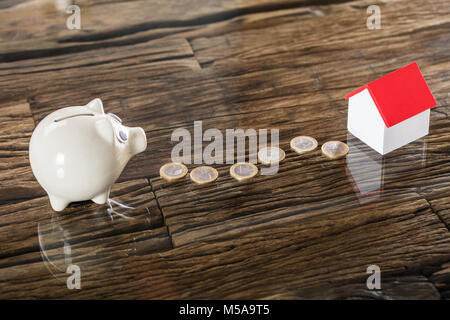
[[416, 287], [43, 23], [441, 206], [290, 37], [258, 264], [229, 209], [60, 249], [310, 181], [16, 179], [185, 97], [176, 102], [441, 279], [305, 232], [177, 99], [177, 93], [291, 52], [117, 66], [89, 221], [437, 150], [290, 41]]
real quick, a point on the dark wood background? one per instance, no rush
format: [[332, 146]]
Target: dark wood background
[[308, 232]]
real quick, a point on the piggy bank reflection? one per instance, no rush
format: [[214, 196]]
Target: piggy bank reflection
[[77, 153]]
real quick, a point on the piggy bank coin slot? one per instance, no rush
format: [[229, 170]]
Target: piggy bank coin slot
[[74, 115]]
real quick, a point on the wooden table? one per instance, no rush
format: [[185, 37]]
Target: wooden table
[[310, 231]]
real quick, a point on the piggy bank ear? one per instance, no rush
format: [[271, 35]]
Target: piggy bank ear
[[105, 130], [96, 106]]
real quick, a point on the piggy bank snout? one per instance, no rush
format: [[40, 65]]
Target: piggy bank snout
[[138, 140]]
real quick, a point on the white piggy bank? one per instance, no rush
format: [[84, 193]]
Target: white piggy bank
[[77, 153]]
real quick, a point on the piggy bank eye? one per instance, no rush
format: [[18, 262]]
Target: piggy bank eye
[[121, 133]]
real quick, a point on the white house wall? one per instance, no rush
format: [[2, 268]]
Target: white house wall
[[364, 121], [406, 131]]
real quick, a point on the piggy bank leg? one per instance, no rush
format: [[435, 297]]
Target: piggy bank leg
[[101, 198], [58, 203]]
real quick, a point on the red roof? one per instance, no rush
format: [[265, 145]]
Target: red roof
[[399, 95]]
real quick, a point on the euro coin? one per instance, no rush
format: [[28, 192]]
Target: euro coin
[[303, 144], [173, 171], [243, 171], [204, 175], [270, 155], [334, 149]]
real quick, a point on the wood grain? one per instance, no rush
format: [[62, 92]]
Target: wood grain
[[308, 232], [16, 179], [441, 280], [88, 221], [238, 268], [394, 288]]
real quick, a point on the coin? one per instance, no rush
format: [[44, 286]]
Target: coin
[[173, 171], [204, 174], [243, 171], [303, 144], [334, 149], [270, 155]]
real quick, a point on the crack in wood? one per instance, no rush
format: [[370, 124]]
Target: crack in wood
[[202, 20], [186, 25], [437, 214], [162, 214]]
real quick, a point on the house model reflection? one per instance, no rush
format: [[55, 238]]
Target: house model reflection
[[364, 169], [370, 172]]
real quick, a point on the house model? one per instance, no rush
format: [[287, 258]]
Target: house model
[[391, 111]]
